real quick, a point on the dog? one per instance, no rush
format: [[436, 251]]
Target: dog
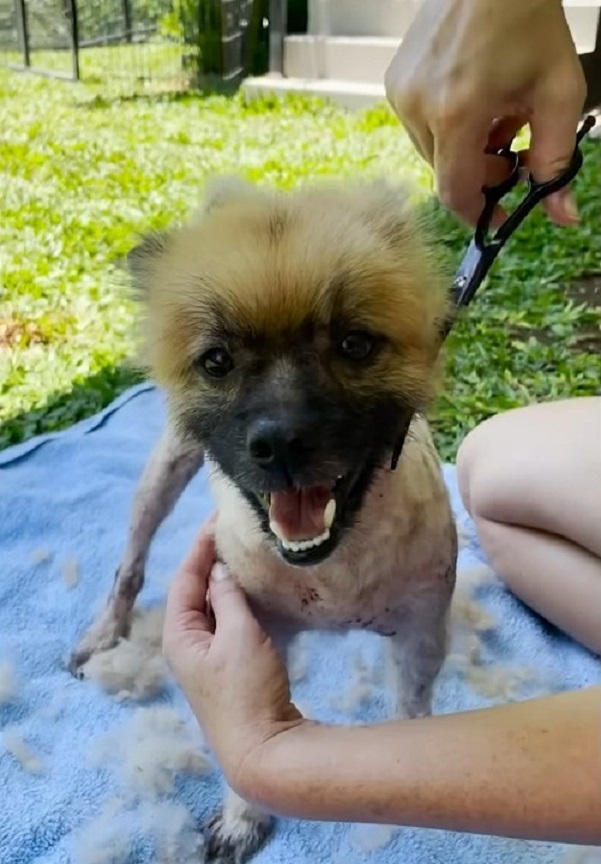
[[295, 335]]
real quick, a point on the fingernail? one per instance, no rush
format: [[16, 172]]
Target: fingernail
[[219, 573], [570, 208]]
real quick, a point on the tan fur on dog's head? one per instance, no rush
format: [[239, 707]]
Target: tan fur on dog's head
[[269, 262], [323, 305]]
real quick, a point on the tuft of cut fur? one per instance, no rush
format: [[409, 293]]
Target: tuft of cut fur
[[22, 752], [41, 556], [373, 838], [102, 840], [71, 571], [582, 855], [8, 685], [135, 667], [153, 749]]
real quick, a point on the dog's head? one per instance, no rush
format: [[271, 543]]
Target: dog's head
[[293, 333]]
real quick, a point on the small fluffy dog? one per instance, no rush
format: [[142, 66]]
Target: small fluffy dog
[[295, 334]]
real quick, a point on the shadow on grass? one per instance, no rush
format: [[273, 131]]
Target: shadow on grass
[[61, 410], [193, 94]]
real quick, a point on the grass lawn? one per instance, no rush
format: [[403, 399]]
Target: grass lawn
[[81, 175]]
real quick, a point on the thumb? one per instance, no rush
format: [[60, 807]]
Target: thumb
[[553, 125], [228, 602]]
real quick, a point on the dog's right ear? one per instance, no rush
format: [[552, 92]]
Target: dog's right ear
[[142, 259], [224, 188]]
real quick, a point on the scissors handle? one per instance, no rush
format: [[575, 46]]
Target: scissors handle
[[493, 194], [482, 251], [538, 191]]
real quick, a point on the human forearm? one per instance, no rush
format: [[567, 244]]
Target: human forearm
[[529, 770]]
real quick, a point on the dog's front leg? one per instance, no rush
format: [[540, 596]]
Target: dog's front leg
[[418, 652], [237, 831], [170, 468], [419, 645]]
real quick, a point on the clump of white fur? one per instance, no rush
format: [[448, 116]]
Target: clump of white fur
[[70, 571], [102, 840], [298, 659], [169, 825], [41, 556], [499, 681], [361, 689], [582, 855], [135, 667], [371, 838], [152, 750], [469, 621], [22, 752], [175, 832], [463, 535], [8, 686]]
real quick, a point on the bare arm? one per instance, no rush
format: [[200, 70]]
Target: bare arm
[[527, 770]]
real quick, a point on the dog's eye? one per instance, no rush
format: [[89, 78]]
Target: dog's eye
[[357, 345], [217, 363]]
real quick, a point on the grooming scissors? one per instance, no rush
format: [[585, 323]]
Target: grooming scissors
[[484, 248]]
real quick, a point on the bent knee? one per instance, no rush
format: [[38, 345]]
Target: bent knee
[[482, 470]]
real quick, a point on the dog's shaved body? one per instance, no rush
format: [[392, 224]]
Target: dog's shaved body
[[316, 312]]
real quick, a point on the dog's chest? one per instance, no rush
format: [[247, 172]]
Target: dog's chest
[[400, 548], [364, 584]]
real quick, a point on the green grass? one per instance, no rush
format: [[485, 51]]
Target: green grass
[[81, 176]]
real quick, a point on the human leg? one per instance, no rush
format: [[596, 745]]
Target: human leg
[[531, 480]]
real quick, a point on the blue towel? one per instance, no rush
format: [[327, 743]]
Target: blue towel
[[64, 510]]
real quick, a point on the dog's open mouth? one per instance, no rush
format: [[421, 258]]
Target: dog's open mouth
[[304, 521]]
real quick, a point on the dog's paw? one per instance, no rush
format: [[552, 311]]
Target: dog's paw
[[103, 635], [88, 646], [235, 839]]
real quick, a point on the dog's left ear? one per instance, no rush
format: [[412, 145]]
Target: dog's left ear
[[142, 259]]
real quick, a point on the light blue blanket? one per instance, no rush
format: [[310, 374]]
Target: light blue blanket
[[64, 509]]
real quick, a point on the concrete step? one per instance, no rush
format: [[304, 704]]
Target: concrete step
[[365, 58], [353, 95], [391, 18], [359, 58], [348, 67]]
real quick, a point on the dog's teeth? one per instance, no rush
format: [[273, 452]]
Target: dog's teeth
[[329, 513], [303, 545], [275, 529]]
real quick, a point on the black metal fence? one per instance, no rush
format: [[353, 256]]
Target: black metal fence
[[176, 44]]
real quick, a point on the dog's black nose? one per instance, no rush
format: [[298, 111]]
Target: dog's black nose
[[276, 446]]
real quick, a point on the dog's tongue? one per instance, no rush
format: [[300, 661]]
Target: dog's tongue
[[299, 514]]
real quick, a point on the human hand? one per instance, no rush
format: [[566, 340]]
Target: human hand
[[468, 75], [226, 665]]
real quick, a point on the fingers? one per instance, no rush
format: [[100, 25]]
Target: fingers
[[233, 616], [558, 106], [189, 587], [460, 166], [186, 602], [504, 130]]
